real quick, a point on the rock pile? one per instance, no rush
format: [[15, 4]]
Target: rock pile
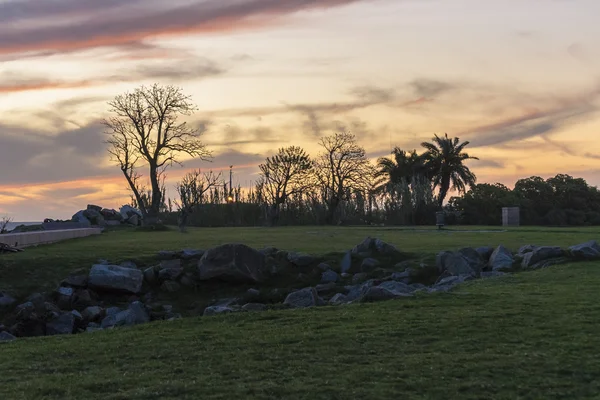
[[372, 271], [98, 216]]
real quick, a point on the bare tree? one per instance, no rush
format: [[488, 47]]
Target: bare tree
[[4, 221], [283, 175], [144, 131], [191, 190], [342, 168]]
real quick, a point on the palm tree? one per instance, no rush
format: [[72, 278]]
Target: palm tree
[[403, 166], [445, 158]]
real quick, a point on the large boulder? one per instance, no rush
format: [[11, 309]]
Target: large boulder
[[457, 264], [378, 293], [302, 259], [233, 262], [81, 218], [501, 259], [541, 256], [64, 324], [586, 251], [135, 314], [127, 211], [307, 297], [115, 278]]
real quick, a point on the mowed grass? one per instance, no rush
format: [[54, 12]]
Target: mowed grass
[[45, 266], [533, 335]]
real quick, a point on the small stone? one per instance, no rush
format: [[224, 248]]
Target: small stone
[[65, 291], [329, 276], [92, 313], [214, 310], [359, 277], [253, 292], [6, 300], [323, 266], [307, 297], [189, 254], [339, 298]]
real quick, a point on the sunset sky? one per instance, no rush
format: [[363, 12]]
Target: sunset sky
[[519, 79]]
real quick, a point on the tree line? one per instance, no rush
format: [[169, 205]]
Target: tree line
[[338, 185]]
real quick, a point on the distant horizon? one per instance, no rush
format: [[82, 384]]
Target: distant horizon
[[519, 80]]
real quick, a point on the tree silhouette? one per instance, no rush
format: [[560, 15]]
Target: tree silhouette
[[284, 175], [145, 130], [445, 159], [403, 166]]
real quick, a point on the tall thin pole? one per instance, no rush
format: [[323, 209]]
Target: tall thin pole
[[230, 179]]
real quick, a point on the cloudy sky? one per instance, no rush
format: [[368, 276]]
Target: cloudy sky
[[519, 79]]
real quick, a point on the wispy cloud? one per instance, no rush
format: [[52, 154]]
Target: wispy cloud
[[89, 24]]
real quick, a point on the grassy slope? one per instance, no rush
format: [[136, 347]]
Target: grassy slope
[[46, 266], [528, 336]]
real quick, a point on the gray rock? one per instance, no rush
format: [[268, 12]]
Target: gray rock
[[150, 275], [233, 262], [65, 291], [92, 313], [269, 251], [485, 252], [77, 315], [473, 258], [534, 259], [214, 310], [368, 264], [440, 260], [301, 259], [528, 248], [324, 267], [113, 310], [187, 280], [359, 277], [170, 286], [254, 307], [339, 298], [81, 218], [329, 276], [190, 254], [76, 281], [402, 276], [377, 293], [346, 262], [253, 292], [457, 264], [396, 287], [170, 274], [501, 259], [116, 278], [62, 325], [6, 337], [307, 297], [135, 314], [6, 300], [171, 264], [371, 246], [492, 274], [325, 287], [167, 255], [586, 251]]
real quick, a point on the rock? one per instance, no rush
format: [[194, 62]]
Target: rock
[[301, 259], [377, 293], [456, 264], [254, 307], [168, 264], [65, 291], [233, 262], [329, 276], [170, 286], [113, 311], [528, 248], [171, 274], [214, 310], [440, 260], [150, 275], [83, 298], [116, 278], [501, 259], [307, 297], [323, 267], [92, 313], [6, 337], [359, 277], [339, 298], [6, 300], [127, 211], [402, 276], [76, 281], [368, 264], [135, 314], [190, 254], [187, 280], [346, 262], [133, 220], [485, 252], [325, 287], [534, 259], [253, 292], [473, 258], [586, 251], [396, 287], [62, 325], [371, 246], [81, 218]]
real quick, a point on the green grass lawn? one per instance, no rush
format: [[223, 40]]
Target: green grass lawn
[[532, 335]]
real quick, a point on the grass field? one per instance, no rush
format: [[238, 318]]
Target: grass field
[[532, 335]]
